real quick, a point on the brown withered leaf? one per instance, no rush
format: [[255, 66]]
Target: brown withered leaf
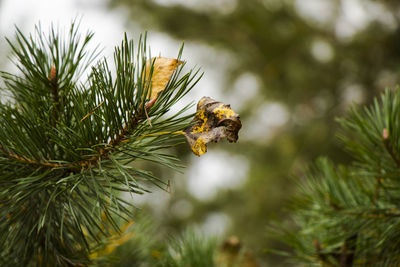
[[213, 121], [163, 68]]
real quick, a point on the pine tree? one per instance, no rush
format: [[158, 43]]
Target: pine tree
[[69, 145], [349, 215]]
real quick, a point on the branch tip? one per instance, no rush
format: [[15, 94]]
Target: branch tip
[[385, 134]]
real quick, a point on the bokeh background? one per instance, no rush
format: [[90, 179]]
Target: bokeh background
[[288, 67]]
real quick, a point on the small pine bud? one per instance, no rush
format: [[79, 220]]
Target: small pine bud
[[150, 103], [317, 245], [53, 74], [385, 134]]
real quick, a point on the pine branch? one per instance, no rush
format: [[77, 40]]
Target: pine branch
[[342, 208], [80, 165], [68, 147]]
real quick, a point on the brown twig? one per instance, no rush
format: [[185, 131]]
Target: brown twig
[[13, 155], [320, 255], [103, 152], [345, 256], [347, 251]]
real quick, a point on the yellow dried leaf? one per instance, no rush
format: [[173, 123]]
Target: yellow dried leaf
[[163, 68], [213, 121]]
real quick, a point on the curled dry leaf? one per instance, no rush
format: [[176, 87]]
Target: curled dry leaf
[[163, 68], [214, 120]]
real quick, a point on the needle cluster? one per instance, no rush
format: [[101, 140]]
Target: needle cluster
[[69, 144]]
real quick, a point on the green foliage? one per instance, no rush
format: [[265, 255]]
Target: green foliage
[[68, 146], [148, 247], [140, 245], [274, 42], [350, 215], [192, 249]]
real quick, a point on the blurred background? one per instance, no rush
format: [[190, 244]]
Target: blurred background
[[288, 67]]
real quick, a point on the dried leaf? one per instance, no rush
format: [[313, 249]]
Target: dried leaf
[[213, 121], [163, 68]]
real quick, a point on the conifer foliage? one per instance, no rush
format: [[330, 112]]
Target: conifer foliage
[[68, 144], [350, 215]]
